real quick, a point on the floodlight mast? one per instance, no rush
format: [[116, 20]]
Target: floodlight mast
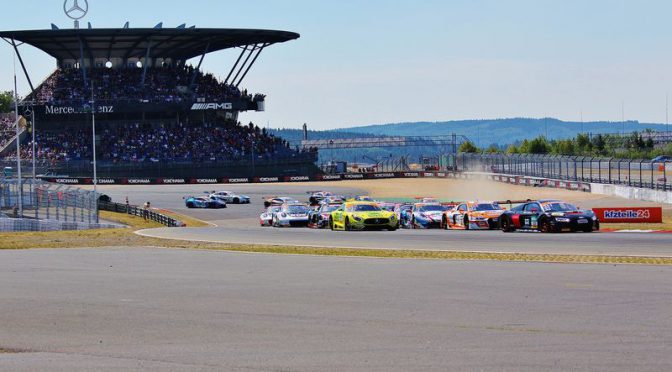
[[93, 136], [19, 190]]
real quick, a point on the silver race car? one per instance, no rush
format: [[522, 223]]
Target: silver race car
[[291, 214], [266, 218], [231, 198]]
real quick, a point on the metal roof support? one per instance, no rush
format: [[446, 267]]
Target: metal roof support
[[81, 62], [144, 65], [23, 66], [198, 68], [236, 64], [251, 63], [244, 63]]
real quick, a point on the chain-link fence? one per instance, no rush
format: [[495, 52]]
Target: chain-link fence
[[637, 173], [44, 200]]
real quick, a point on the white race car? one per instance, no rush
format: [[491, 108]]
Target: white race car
[[231, 198], [266, 218], [291, 215]]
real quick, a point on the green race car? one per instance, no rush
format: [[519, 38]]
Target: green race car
[[361, 215]]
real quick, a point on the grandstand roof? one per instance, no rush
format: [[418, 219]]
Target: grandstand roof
[[175, 43]]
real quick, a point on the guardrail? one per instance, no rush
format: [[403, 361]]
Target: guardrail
[[140, 212]]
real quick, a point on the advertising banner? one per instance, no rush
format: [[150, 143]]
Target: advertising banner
[[629, 214]]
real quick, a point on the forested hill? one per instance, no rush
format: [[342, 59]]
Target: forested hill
[[502, 131]]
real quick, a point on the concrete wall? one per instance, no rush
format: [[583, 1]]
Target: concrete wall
[[634, 193]]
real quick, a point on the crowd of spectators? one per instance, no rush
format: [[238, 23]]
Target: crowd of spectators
[[162, 143], [7, 129], [161, 85]]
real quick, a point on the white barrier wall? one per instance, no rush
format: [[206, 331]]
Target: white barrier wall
[[634, 193]]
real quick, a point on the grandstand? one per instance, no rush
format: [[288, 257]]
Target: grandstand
[[156, 114]]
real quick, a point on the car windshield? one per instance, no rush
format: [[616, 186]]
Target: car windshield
[[559, 207], [297, 209], [330, 208], [431, 208], [485, 207], [364, 208]]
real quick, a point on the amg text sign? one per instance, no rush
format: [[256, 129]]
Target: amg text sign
[[629, 215]]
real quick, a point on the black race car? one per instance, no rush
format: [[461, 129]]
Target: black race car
[[548, 216]]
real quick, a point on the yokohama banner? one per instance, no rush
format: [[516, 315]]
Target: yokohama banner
[[630, 215]]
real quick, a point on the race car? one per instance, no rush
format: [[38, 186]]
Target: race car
[[548, 216], [387, 206], [231, 197], [319, 218], [203, 202], [333, 199], [481, 215], [278, 200], [360, 215], [291, 214], [317, 196], [365, 198], [423, 216], [401, 210], [266, 218]]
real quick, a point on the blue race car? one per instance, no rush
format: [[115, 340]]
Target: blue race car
[[423, 216], [204, 202]]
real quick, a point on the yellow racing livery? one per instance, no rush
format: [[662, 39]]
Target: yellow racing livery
[[361, 215]]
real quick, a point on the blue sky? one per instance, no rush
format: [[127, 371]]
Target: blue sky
[[370, 62]]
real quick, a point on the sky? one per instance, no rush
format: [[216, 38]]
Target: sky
[[373, 62]]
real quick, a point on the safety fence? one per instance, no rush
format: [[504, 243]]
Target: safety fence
[[134, 210], [45, 200], [634, 173]]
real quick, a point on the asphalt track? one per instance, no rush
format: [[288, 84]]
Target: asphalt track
[[239, 224], [187, 310]]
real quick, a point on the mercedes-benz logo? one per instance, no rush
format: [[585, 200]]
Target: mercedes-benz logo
[[75, 11]]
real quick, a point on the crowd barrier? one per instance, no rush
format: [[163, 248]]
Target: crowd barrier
[[140, 212], [238, 180]]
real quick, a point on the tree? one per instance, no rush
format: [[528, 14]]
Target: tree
[[539, 145], [6, 100], [492, 149], [599, 144], [512, 149], [468, 147], [524, 147]]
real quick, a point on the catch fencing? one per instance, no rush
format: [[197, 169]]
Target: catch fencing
[[45, 200], [635, 173]]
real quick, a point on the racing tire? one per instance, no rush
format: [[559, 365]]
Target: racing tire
[[236, 201], [444, 223], [190, 205], [331, 224], [413, 223], [392, 228], [588, 229], [347, 224], [506, 225], [466, 222], [545, 226]]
